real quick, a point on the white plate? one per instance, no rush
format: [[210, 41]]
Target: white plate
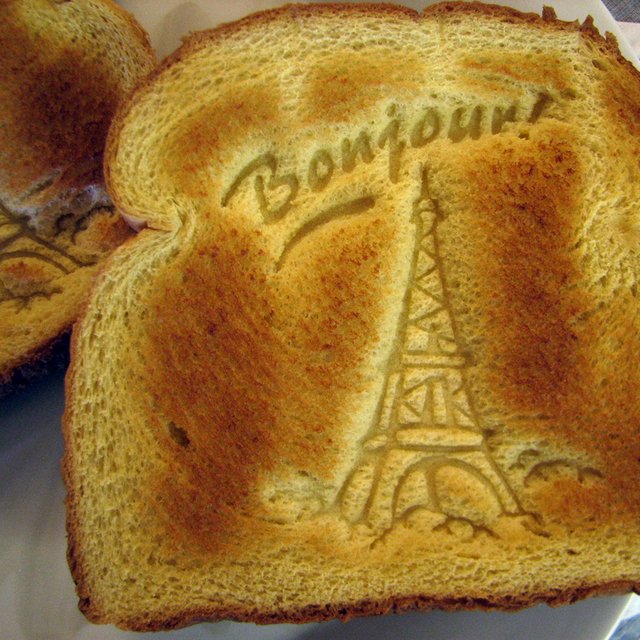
[[37, 598]]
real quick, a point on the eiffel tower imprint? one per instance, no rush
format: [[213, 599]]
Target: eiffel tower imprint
[[426, 448]]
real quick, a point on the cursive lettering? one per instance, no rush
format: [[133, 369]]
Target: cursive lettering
[[319, 178], [350, 151], [389, 136], [458, 131], [273, 187], [275, 194], [343, 210], [429, 122]]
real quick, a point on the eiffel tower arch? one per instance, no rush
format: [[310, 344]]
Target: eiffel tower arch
[[426, 448]]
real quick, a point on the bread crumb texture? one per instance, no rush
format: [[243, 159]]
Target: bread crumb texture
[[64, 68], [377, 346]]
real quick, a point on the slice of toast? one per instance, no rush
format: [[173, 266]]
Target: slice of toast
[[64, 67], [377, 348]]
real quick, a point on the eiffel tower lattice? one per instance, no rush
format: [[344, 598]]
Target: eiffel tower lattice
[[425, 428]]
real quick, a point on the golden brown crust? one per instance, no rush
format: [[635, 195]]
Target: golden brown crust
[[50, 357], [74, 545], [348, 611]]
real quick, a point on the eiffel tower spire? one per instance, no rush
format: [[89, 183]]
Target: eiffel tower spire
[[425, 423]]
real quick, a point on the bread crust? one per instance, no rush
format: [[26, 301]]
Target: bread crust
[[316, 612], [366, 608], [52, 356]]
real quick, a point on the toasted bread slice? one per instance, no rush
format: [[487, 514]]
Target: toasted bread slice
[[378, 346], [63, 69]]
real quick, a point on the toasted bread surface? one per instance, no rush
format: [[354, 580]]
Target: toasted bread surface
[[64, 68], [377, 348]]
